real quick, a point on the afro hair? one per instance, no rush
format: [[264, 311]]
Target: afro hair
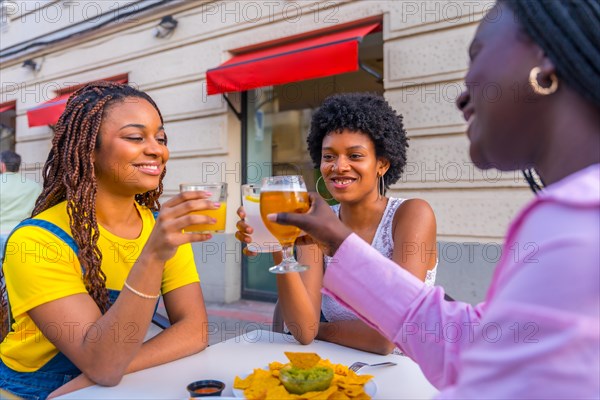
[[364, 113]]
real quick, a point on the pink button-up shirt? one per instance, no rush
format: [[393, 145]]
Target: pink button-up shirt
[[537, 333]]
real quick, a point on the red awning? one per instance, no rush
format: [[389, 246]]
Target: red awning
[[315, 57], [7, 106], [49, 112]]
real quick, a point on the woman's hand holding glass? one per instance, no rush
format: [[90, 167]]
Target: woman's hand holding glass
[[320, 223], [175, 215], [244, 231], [217, 192], [262, 241]]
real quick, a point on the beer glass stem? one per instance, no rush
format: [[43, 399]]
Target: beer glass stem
[[288, 254], [289, 263]]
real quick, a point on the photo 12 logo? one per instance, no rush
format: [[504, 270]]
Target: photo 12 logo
[[253, 11], [67, 12], [426, 11]]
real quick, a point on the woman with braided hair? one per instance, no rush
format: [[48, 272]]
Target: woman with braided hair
[[537, 335], [84, 274]]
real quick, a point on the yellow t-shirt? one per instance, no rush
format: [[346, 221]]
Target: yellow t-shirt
[[40, 268]]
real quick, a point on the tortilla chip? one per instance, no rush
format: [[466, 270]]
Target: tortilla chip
[[276, 366], [363, 396], [338, 395], [322, 395], [340, 369], [279, 393], [354, 379], [267, 382], [239, 383], [255, 393], [353, 390], [303, 360], [260, 373]]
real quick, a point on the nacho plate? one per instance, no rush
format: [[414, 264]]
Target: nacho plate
[[370, 388]]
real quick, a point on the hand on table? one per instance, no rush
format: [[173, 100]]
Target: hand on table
[[77, 383]]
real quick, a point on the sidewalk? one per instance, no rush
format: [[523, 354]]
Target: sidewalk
[[226, 321]]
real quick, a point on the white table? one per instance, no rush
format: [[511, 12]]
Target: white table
[[239, 355]]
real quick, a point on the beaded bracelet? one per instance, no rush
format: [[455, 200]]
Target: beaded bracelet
[[143, 295]]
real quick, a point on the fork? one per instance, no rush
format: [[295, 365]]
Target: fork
[[358, 365]]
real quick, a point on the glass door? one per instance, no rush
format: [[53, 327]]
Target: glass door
[[277, 125]]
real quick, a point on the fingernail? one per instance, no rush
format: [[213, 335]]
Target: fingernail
[[212, 220], [272, 217], [216, 204], [208, 194]]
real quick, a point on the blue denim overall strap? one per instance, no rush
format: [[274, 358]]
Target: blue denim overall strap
[[38, 384], [55, 229], [59, 370], [68, 239]]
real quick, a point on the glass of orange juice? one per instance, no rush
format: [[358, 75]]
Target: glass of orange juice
[[284, 194], [218, 192]]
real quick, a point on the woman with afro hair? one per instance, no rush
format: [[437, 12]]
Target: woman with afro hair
[[359, 144]]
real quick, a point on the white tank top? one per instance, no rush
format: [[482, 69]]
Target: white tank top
[[383, 241]]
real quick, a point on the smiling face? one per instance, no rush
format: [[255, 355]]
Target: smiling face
[[350, 167], [132, 149], [506, 123]]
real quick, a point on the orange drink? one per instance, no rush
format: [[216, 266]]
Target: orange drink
[[283, 201], [218, 214], [218, 194], [285, 193]]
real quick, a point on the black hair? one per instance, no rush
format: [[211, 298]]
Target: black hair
[[365, 113], [11, 160], [567, 31]]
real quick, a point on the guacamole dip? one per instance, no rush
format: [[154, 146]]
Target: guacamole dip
[[300, 381]]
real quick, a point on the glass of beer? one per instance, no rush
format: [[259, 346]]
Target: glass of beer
[[284, 194], [219, 194], [262, 240]]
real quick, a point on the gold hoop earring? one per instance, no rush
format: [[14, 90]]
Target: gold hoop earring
[[539, 89], [318, 191]]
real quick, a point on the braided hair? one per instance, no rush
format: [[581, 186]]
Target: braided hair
[[567, 31], [69, 176]]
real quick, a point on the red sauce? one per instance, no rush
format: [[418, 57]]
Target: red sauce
[[206, 390]]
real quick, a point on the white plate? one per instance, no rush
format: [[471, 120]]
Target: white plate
[[370, 388]]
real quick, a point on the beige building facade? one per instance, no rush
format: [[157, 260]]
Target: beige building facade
[[421, 51]]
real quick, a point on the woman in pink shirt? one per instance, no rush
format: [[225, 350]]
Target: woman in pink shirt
[[537, 335]]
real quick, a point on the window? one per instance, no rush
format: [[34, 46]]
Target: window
[[7, 126]]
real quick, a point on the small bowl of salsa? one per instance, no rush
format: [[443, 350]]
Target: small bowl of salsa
[[205, 388]]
